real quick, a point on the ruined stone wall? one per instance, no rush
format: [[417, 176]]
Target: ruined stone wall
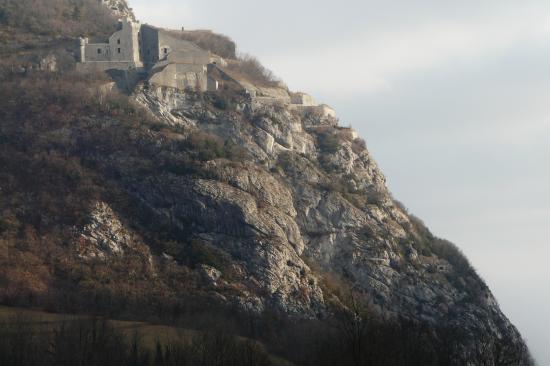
[[97, 52], [149, 45], [303, 99], [104, 66], [192, 57], [181, 76], [182, 51], [124, 43], [123, 47], [172, 62], [321, 110], [157, 45], [224, 81]]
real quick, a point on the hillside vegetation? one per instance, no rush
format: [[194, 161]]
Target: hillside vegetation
[[29, 338], [31, 30], [219, 44], [57, 18]]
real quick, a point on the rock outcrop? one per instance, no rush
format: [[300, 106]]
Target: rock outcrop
[[119, 8], [311, 200], [106, 236]]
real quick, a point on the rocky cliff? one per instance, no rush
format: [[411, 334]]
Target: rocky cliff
[[309, 201]]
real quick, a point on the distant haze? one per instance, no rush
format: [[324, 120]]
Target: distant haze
[[453, 99]]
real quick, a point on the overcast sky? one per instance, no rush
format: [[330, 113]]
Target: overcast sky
[[453, 99]]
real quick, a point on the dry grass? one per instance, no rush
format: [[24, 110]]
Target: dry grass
[[249, 68], [219, 44], [148, 333], [63, 18]]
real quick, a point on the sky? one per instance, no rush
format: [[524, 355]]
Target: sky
[[453, 99]]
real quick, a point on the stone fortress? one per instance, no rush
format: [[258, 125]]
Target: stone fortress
[[146, 50], [140, 51]]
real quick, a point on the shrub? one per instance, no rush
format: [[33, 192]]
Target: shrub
[[329, 142], [376, 196], [207, 147], [250, 68], [222, 102], [3, 225], [219, 44], [3, 16], [366, 233], [200, 253], [58, 17], [452, 254], [284, 161], [424, 236], [358, 145], [97, 341], [401, 206]]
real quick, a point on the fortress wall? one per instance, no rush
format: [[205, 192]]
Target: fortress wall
[[327, 111], [271, 100], [212, 84], [180, 50], [104, 66], [197, 57], [149, 44], [324, 110], [224, 81], [303, 99], [176, 43], [215, 59], [123, 46], [91, 54], [125, 43], [183, 66], [181, 77]]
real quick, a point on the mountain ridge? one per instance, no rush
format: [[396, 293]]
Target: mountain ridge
[[218, 198]]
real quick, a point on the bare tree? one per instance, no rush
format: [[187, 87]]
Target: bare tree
[[353, 326]]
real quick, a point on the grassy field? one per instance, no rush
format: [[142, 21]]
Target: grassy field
[[148, 333]]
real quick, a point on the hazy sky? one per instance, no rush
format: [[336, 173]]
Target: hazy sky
[[453, 99]]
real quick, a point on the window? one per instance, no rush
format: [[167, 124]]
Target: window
[[119, 50], [165, 51], [118, 41], [99, 51]]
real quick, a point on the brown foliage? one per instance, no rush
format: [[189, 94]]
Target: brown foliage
[[57, 17], [100, 342], [249, 68], [218, 44]]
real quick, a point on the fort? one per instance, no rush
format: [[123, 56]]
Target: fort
[[143, 49], [142, 52]]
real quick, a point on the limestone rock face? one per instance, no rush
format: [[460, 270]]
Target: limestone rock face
[[119, 8], [211, 274], [309, 200], [106, 236]]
